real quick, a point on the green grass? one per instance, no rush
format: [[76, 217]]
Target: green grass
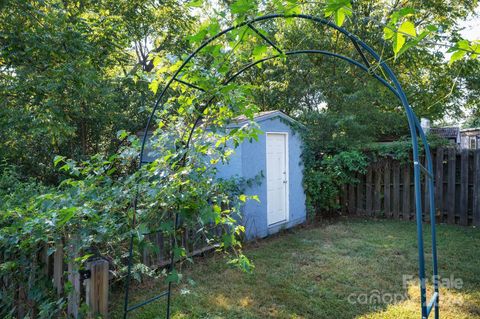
[[310, 273]]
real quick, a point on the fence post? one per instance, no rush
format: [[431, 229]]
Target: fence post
[[464, 188], [58, 266], [351, 199], [396, 189], [439, 183], [368, 191], [22, 301], [406, 192], [73, 277], [360, 188], [160, 244], [343, 201], [386, 189], [452, 157], [377, 200], [426, 193], [97, 288], [476, 188]]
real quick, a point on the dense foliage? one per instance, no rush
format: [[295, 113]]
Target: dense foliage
[[72, 74]]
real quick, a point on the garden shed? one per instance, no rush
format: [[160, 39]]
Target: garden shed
[[275, 161], [274, 165]]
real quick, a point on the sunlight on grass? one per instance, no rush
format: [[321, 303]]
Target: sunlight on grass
[[454, 304], [310, 274]]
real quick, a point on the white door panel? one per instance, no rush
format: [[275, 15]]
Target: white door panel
[[277, 178]]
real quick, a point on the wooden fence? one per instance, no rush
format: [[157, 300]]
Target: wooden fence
[[91, 285], [387, 189]]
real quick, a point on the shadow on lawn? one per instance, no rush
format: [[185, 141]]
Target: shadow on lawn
[[314, 272]]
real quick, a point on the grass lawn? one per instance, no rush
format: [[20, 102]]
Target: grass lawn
[[314, 272]]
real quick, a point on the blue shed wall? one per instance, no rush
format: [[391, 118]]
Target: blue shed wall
[[249, 161]]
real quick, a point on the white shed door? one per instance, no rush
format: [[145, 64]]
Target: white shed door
[[277, 178]]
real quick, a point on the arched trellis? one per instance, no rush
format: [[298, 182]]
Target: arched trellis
[[394, 86]]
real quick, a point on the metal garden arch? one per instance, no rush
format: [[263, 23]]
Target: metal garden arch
[[391, 83]]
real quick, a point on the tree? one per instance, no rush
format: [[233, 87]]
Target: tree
[[70, 75]]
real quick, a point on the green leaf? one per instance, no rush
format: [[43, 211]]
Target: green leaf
[[340, 9], [398, 42], [339, 17], [259, 51], [58, 159], [217, 209], [388, 33], [122, 134], [413, 42], [242, 198], [66, 214], [241, 7], [242, 263], [408, 27], [457, 56], [153, 86], [174, 277], [195, 3]]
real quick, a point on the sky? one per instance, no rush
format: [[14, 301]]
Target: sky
[[472, 28]]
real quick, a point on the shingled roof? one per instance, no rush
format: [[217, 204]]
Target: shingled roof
[[446, 132]]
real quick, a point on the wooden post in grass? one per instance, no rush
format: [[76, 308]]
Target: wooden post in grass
[[97, 289]]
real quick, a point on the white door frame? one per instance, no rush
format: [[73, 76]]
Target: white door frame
[[287, 188]]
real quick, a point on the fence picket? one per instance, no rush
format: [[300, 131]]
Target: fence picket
[[456, 189], [396, 189], [343, 201], [439, 183], [386, 189], [464, 188], [377, 199], [452, 157], [97, 289], [351, 199], [73, 278], [476, 189], [58, 267], [360, 190], [406, 192], [368, 192]]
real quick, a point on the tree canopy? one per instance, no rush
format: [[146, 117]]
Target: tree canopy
[[79, 79]]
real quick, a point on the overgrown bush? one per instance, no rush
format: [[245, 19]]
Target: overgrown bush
[[323, 180], [92, 213]]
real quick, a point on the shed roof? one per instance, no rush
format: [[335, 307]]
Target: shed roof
[[446, 132], [262, 116]]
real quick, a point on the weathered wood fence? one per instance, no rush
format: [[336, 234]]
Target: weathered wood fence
[[387, 189], [90, 285]]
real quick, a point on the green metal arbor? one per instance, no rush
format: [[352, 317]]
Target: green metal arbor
[[390, 82]]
